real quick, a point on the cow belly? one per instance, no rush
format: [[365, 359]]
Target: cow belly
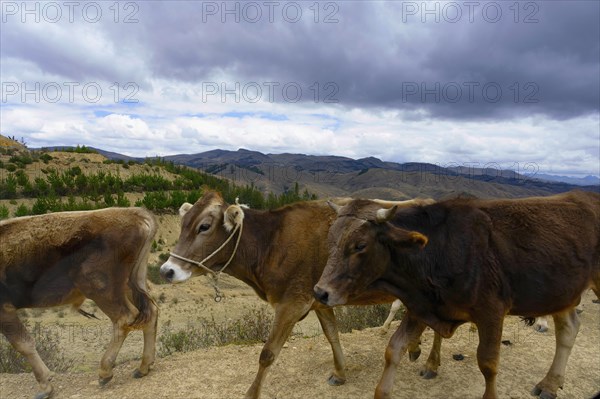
[[543, 298], [58, 291]]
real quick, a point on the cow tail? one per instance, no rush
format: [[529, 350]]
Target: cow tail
[[142, 300]]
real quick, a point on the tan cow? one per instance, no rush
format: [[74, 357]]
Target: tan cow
[[63, 258], [279, 253]]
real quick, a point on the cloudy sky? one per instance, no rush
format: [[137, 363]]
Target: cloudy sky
[[505, 82]]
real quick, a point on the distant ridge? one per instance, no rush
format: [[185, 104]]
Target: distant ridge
[[328, 175]]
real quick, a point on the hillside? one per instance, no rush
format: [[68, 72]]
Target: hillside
[[67, 179], [10, 143]]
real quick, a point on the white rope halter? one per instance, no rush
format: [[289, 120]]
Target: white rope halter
[[216, 274]]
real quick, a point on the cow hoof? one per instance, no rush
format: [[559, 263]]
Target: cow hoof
[[335, 380], [104, 381], [547, 395], [138, 374], [537, 391], [541, 329], [413, 356], [428, 374]]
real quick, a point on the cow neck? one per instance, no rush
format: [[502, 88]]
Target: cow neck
[[259, 227]]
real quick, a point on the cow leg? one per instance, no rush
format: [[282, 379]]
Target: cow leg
[[396, 305], [149, 353], [566, 327], [329, 325], [120, 332], [286, 316], [488, 353], [434, 359], [121, 312], [16, 333], [408, 332]]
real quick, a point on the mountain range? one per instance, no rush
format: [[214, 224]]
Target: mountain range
[[369, 177]]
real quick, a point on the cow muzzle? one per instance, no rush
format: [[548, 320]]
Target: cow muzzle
[[327, 296], [321, 295], [173, 273]]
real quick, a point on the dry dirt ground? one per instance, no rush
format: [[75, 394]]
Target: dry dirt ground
[[304, 365], [301, 370]]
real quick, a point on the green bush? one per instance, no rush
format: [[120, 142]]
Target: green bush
[[4, 212], [153, 274], [22, 210], [46, 157]]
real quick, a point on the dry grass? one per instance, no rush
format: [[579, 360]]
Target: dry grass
[[252, 327], [47, 345], [360, 317]]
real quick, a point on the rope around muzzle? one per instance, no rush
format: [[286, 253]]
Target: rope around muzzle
[[216, 274]]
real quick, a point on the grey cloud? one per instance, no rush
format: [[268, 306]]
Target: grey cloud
[[376, 56], [377, 60]]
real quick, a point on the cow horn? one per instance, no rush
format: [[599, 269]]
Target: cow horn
[[383, 214], [334, 206]]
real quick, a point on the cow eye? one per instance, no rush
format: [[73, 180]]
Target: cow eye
[[203, 227], [360, 246]]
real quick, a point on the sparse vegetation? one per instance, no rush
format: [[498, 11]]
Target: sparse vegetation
[[153, 274], [48, 346], [360, 317], [253, 326]]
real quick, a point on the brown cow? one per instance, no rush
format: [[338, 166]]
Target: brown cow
[[63, 258], [470, 260], [281, 254]]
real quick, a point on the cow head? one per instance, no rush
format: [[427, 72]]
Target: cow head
[[205, 226], [359, 250]]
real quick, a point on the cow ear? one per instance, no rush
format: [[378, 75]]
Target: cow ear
[[232, 217], [407, 239], [185, 208]]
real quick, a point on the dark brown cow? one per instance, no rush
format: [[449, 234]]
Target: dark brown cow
[[63, 258], [470, 260], [281, 254]]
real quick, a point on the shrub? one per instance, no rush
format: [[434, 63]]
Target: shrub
[[153, 274], [46, 157], [47, 345], [359, 317], [22, 210], [3, 212]]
